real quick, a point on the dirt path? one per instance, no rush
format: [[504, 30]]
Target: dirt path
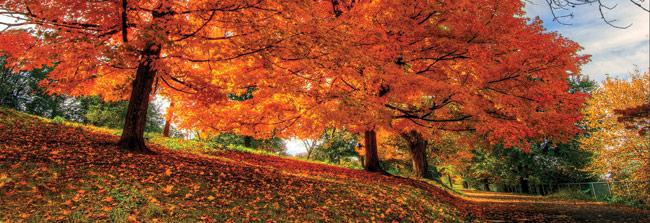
[[506, 207]]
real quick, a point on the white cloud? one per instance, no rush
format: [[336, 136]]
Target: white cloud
[[614, 51]]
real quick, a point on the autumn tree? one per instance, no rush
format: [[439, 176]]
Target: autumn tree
[[620, 151], [310, 146], [430, 67], [133, 49], [415, 68]]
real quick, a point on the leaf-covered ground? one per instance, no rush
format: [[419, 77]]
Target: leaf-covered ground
[[505, 207], [62, 172]]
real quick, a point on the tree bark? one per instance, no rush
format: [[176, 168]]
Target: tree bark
[[371, 160], [417, 146], [168, 120], [167, 127], [136, 115]]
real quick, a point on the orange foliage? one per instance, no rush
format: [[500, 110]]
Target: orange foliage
[[399, 65], [402, 65]]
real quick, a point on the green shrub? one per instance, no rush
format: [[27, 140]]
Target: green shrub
[[627, 201], [58, 119]]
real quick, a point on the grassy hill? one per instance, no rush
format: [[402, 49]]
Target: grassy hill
[[57, 171]]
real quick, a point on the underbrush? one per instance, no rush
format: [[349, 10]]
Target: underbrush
[[576, 194], [627, 202]]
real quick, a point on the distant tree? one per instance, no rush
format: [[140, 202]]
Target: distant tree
[[273, 144], [335, 145], [581, 84], [310, 146], [542, 163], [20, 90], [111, 114]]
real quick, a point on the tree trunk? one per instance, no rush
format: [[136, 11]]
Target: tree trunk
[[248, 141], [417, 146], [136, 115], [309, 147], [371, 159], [451, 182], [168, 120], [486, 184], [167, 127], [524, 185]]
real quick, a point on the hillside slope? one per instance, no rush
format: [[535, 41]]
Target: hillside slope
[[60, 172]]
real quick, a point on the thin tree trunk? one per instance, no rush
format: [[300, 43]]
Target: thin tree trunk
[[168, 120], [371, 159], [524, 185], [167, 127], [418, 149], [309, 147], [136, 115]]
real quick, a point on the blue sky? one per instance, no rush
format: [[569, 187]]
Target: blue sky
[[614, 51]]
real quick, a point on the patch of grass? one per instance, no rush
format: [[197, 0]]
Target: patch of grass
[[627, 201], [128, 199], [78, 216], [569, 193], [151, 211], [177, 144]]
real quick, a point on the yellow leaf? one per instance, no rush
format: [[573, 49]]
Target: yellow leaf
[[168, 172]]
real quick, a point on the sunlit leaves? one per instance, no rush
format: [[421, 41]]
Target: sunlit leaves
[[621, 152]]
